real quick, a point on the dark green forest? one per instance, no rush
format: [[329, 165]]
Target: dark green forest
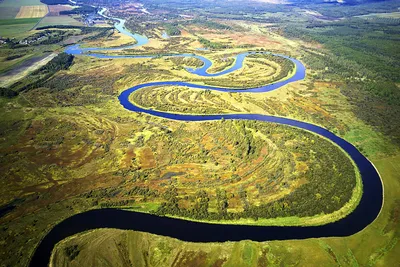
[[365, 55]]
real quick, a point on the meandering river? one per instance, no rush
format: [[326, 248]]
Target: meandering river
[[365, 213]]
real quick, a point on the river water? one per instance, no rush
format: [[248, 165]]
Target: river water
[[365, 213]]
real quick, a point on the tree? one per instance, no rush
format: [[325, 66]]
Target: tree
[[222, 203], [200, 209]]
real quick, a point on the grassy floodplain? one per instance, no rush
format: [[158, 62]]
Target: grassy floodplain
[[67, 145]]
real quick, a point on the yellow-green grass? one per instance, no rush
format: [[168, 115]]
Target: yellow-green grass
[[220, 64], [235, 103], [183, 100]]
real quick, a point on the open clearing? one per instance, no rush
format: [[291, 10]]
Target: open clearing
[[32, 12]]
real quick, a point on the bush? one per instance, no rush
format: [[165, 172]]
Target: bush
[[8, 93], [72, 251]]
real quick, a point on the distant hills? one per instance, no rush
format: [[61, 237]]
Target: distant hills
[[344, 2], [55, 2]]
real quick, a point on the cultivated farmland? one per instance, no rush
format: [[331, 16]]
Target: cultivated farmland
[[59, 20], [16, 27], [32, 12], [10, 8]]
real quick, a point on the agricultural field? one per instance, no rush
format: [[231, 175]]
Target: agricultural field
[[19, 17], [9, 9], [68, 146], [54, 10], [32, 12], [17, 27], [59, 20]]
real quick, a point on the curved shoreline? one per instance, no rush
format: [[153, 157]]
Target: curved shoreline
[[366, 211]]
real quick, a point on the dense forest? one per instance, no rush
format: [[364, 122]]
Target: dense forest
[[209, 24], [365, 55], [213, 45], [80, 10], [172, 29], [6, 92]]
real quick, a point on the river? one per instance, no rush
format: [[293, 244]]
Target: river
[[364, 214]]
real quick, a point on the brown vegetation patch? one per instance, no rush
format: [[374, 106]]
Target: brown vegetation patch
[[190, 258], [185, 33], [49, 150], [128, 158], [61, 191], [394, 218], [146, 158]]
